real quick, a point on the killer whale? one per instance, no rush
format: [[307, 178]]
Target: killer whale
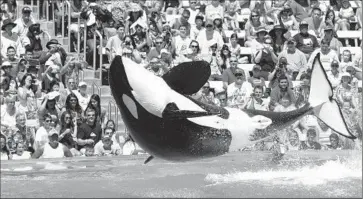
[[168, 124]]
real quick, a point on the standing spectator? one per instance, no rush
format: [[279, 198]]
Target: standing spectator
[[182, 21], [23, 23], [8, 38], [32, 41], [280, 92], [278, 38], [305, 41], [197, 28], [298, 10], [89, 132], [181, 42], [52, 149], [256, 102], [266, 58], [315, 20], [229, 75], [296, 60], [327, 55], [207, 37], [141, 37], [129, 49], [9, 10], [113, 46], [82, 95]]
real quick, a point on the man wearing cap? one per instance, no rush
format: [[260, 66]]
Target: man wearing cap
[[114, 43], [52, 149], [239, 91], [8, 38], [315, 21], [23, 23], [305, 41], [106, 146], [295, 58], [328, 35], [82, 95], [229, 75]]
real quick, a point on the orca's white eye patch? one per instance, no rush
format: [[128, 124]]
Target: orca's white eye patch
[[130, 104]]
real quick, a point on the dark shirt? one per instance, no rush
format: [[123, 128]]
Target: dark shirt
[[306, 43], [84, 132], [266, 62]]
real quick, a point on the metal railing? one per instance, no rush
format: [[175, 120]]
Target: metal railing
[[112, 108], [66, 9], [98, 89], [99, 51]]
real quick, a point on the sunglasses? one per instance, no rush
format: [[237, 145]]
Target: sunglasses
[[255, 15], [193, 2], [67, 118], [186, 17], [234, 61], [158, 42], [209, 26], [238, 74], [48, 121], [194, 46], [206, 87]]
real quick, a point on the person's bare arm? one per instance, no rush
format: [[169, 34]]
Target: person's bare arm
[[38, 153], [67, 152]]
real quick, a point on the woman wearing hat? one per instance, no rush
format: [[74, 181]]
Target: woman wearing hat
[[258, 42], [287, 19], [278, 38], [252, 25], [8, 38]]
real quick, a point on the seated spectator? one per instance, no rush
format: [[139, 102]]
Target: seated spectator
[[157, 67], [213, 59], [331, 21], [327, 55], [48, 106], [4, 150], [335, 143], [346, 14], [311, 144], [251, 26], [229, 75], [208, 37], [344, 91], [21, 153], [280, 70], [12, 58], [225, 55], [8, 112], [68, 130], [51, 74], [193, 52], [214, 8], [131, 147], [334, 75], [220, 97], [26, 130], [329, 35], [346, 60], [89, 132], [32, 41], [239, 91], [82, 95], [130, 50], [206, 95], [305, 41], [24, 22], [8, 38], [232, 7], [6, 75], [52, 149], [266, 58], [281, 91], [95, 104], [71, 86], [298, 10], [257, 79], [258, 43], [315, 20], [156, 50], [303, 91], [141, 38], [195, 30], [278, 38], [106, 147], [286, 18], [296, 60], [256, 102], [233, 46], [181, 42], [284, 105], [219, 27], [41, 136], [72, 105], [293, 142]]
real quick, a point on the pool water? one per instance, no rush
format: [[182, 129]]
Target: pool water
[[242, 174]]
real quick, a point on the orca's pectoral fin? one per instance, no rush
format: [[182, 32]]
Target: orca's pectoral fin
[[171, 112], [187, 78], [149, 159]]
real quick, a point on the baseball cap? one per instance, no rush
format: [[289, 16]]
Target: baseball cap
[[302, 23], [52, 132], [335, 63], [345, 74], [52, 95], [26, 9], [291, 40], [6, 64], [350, 68], [238, 70], [82, 84], [106, 137], [164, 51]]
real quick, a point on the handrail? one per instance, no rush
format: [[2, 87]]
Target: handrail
[[79, 37], [69, 24], [47, 10], [47, 33], [53, 17], [99, 51], [98, 89], [110, 104]]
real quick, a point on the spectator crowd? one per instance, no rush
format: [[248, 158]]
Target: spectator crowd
[[48, 111]]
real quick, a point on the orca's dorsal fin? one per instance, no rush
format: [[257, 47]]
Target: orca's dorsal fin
[[172, 112], [187, 78], [148, 159]]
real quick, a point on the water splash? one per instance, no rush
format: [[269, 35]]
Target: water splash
[[332, 170]]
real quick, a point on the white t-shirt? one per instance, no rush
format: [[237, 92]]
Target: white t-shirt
[[41, 137], [181, 44], [26, 155], [99, 150], [83, 101], [240, 95], [325, 60], [296, 61], [280, 108]]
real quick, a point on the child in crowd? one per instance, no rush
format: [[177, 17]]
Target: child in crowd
[[335, 143], [284, 105], [293, 142], [346, 61], [89, 151], [20, 153], [311, 144]]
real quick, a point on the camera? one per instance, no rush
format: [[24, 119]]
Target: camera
[[127, 43], [282, 65]]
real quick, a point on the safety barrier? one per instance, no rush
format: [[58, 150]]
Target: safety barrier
[[98, 89], [113, 113], [99, 51]]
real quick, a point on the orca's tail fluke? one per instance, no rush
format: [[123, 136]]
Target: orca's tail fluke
[[321, 98]]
